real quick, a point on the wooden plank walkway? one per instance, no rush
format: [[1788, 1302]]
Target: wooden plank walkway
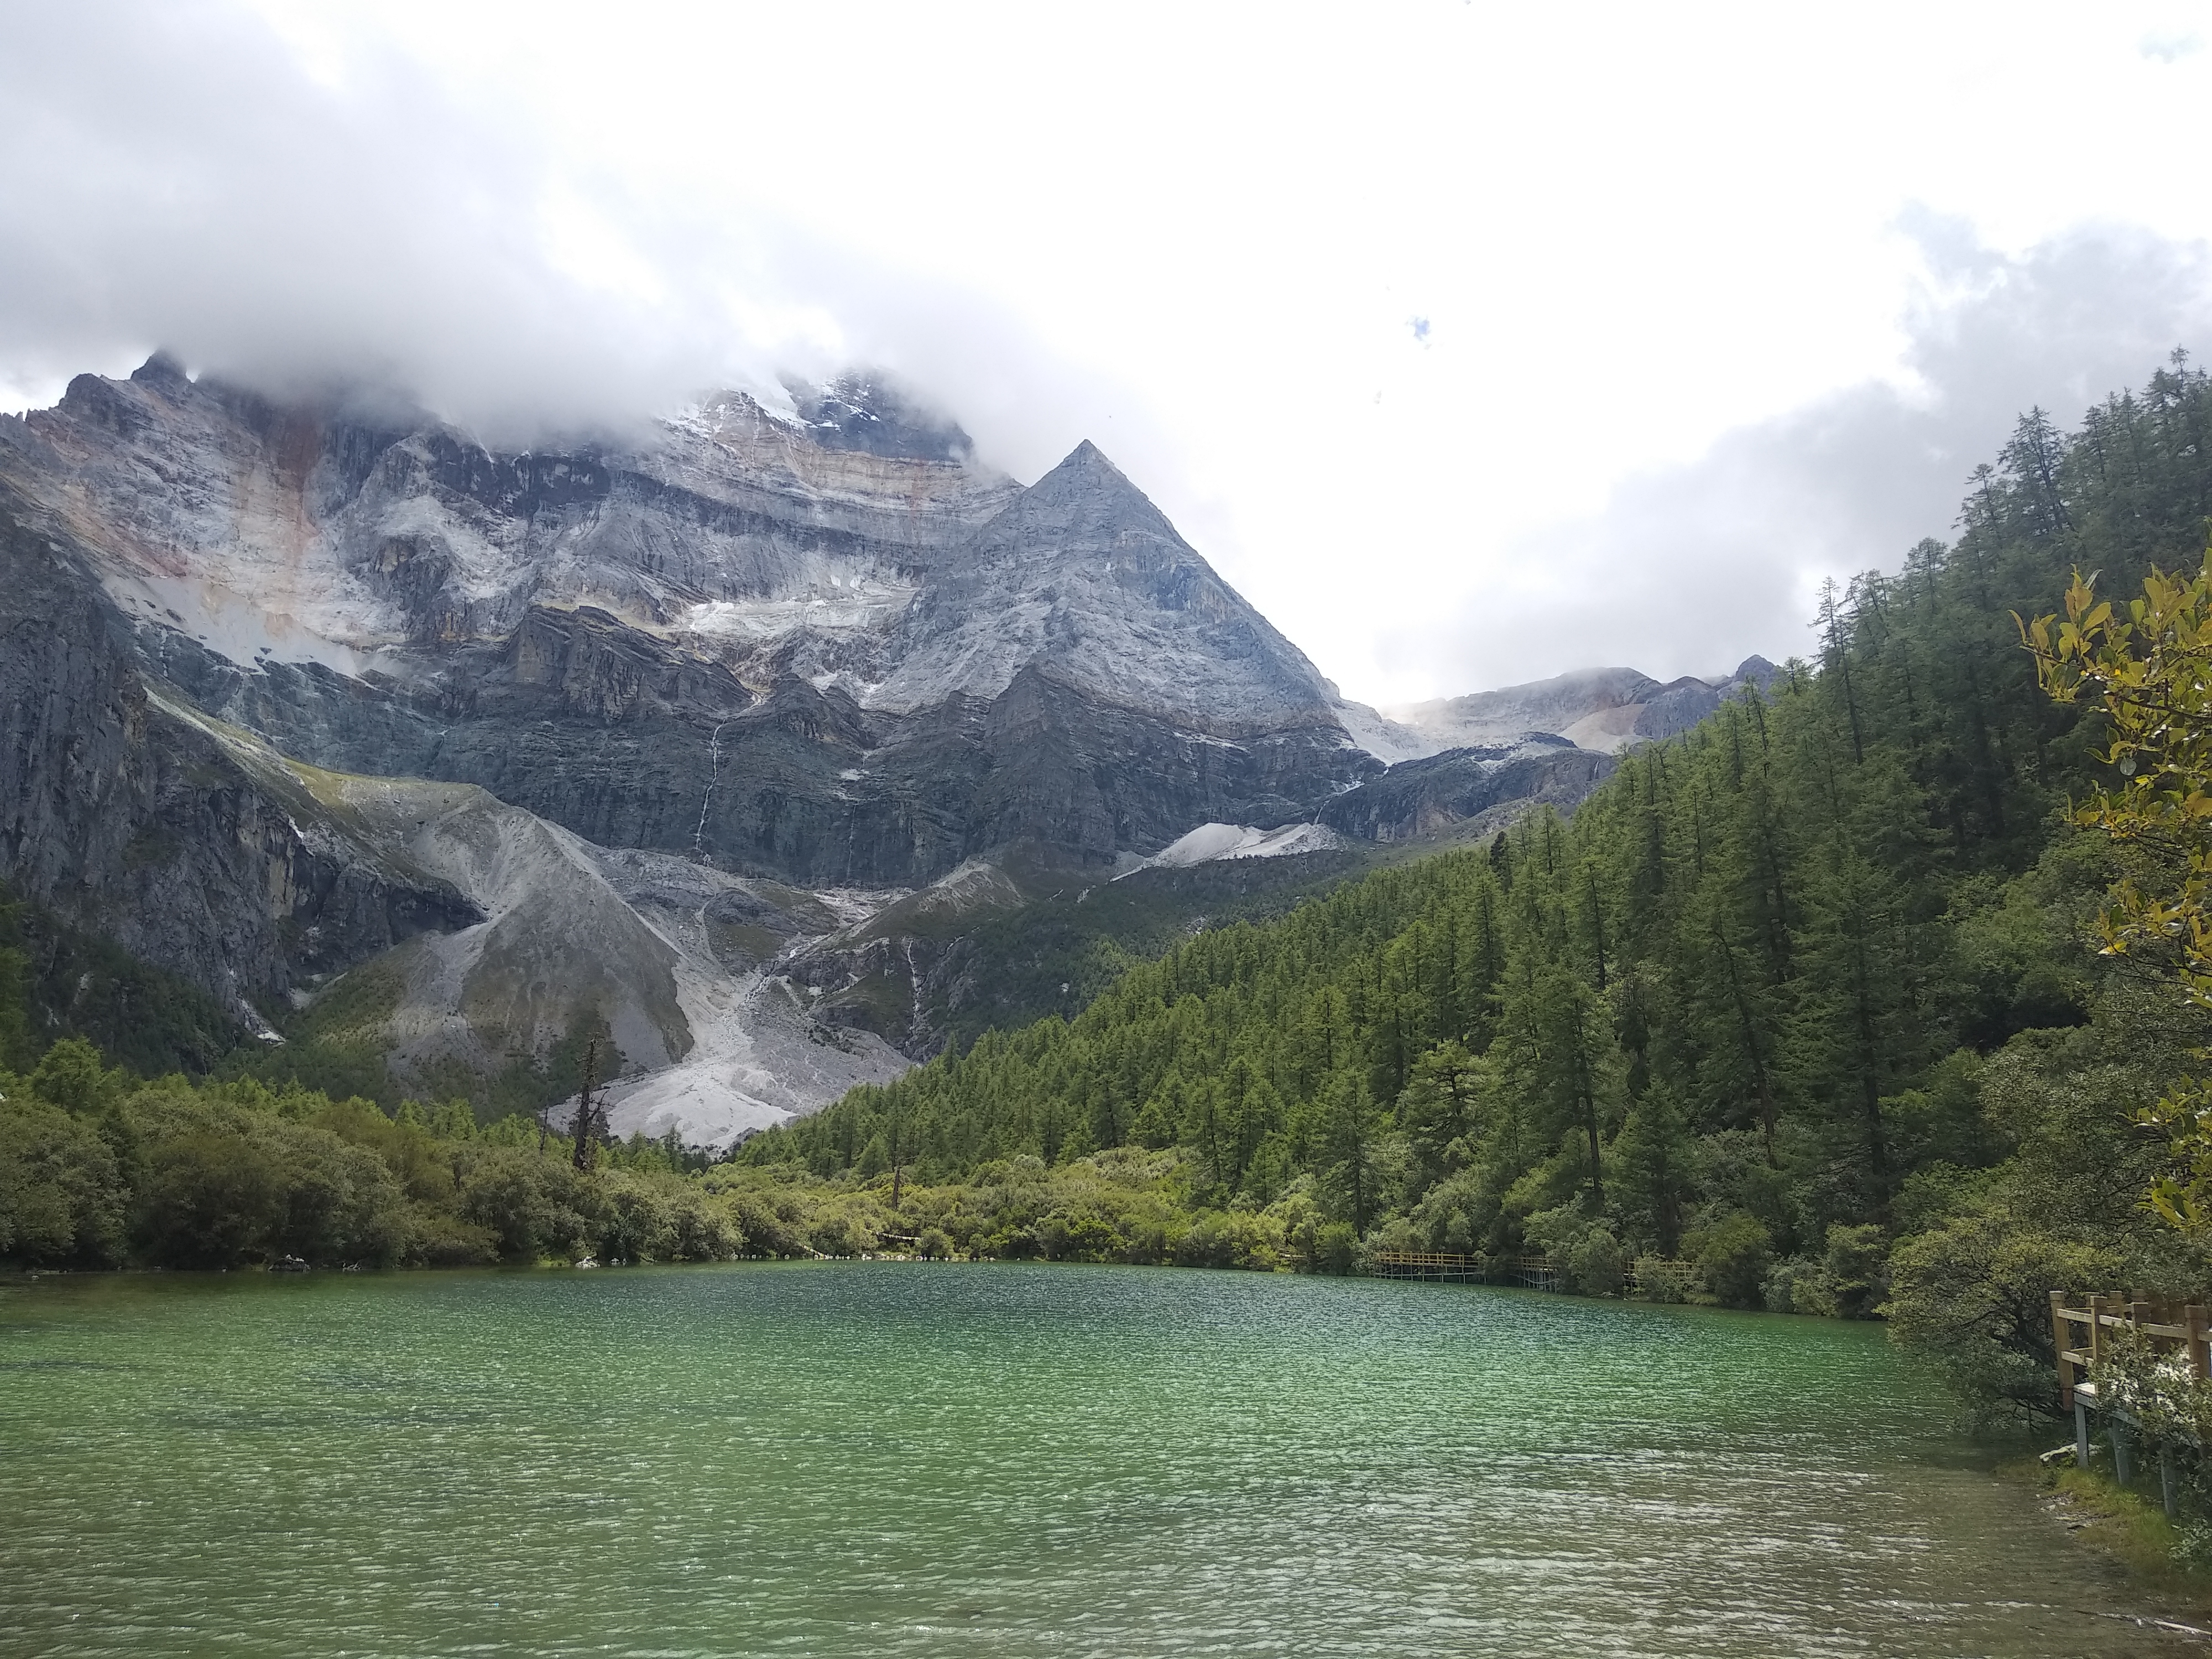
[[1672, 1280], [1533, 1272], [2081, 1333]]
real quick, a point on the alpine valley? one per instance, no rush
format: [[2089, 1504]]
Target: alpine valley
[[779, 747]]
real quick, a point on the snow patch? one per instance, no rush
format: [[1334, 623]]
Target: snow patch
[[1212, 842], [1388, 740], [853, 605]]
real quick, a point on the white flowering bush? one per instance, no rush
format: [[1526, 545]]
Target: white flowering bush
[[2171, 1404]]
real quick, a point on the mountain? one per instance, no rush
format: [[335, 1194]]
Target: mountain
[[1608, 709], [718, 735]]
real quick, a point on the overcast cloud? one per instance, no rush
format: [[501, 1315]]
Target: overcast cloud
[[1473, 343], [1730, 550]]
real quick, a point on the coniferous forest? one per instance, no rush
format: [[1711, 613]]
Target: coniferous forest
[[1807, 1000]]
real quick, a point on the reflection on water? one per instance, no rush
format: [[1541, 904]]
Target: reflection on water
[[894, 1459]]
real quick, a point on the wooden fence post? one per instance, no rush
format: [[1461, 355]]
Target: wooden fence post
[[2060, 1343]]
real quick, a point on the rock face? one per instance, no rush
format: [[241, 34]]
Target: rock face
[[292, 689], [1440, 791], [714, 731], [859, 661], [136, 817]]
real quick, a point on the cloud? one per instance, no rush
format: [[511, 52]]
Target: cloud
[[181, 176], [1689, 568]]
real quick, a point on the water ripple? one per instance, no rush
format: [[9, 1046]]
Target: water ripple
[[899, 1459]]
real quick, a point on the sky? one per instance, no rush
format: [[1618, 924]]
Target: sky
[[1474, 344]]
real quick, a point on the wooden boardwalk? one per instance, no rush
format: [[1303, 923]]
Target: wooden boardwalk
[[1533, 1272], [2082, 1328], [1671, 1280]]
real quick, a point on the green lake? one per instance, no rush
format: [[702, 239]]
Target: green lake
[[901, 1458]]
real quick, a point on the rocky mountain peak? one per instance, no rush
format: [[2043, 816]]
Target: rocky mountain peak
[[1754, 670], [868, 412], [1085, 507], [162, 373], [1083, 577]]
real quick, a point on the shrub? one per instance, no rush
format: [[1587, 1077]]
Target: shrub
[[699, 1228], [634, 1223], [1974, 1296], [1659, 1278], [1848, 1280], [1595, 1266], [206, 1200], [1081, 1235], [1335, 1249], [1233, 1238], [71, 1077], [1732, 1253], [531, 1206], [61, 1193], [341, 1203]]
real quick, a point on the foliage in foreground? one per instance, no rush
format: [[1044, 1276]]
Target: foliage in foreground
[[2147, 668]]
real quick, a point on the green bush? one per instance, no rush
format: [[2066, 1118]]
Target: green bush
[[1732, 1253], [635, 1222], [220, 1185], [533, 1208], [1973, 1297], [1335, 1248], [1596, 1265], [1662, 1278], [1231, 1238], [206, 1200], [72, 1077], [61, 1195]]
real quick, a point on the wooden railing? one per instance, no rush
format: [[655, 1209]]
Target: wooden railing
[[2082, 1328], [1659, 1278], [2168, 1324], [1534, 1271]]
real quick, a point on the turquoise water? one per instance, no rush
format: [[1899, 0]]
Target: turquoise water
[[992, 1460]]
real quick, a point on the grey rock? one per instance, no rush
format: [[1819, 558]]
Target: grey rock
[[131, 818], [1480, 788]]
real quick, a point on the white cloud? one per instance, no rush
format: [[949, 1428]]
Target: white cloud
[[1685, 569]]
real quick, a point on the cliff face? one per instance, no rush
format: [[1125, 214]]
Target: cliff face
[[726, 637], [136, 820], [1436, 793]]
